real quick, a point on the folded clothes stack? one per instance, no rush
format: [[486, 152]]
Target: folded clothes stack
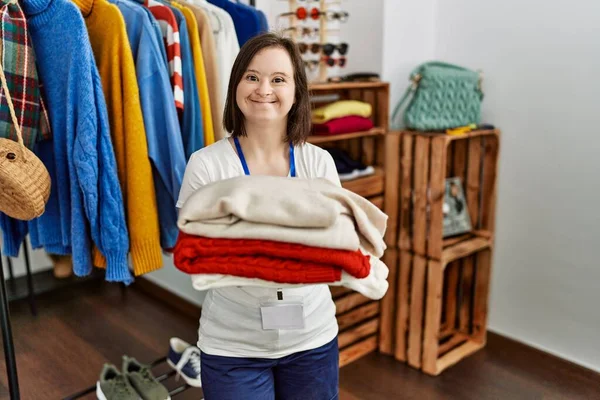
[[344, 116], [280, 232], [347, 167]]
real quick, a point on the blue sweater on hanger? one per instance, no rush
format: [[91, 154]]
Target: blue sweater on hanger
[[246, 19], [87, 198], [165, 145]]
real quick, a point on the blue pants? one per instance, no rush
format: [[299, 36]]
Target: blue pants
[[306, 375]]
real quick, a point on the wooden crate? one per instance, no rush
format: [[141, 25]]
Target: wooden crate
[[367, 146], [376, 147], [426, 161], [358, 320], [388, 304], [442, 305]]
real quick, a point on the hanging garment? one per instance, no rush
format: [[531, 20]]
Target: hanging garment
[[165, 145], [18, 60], [226, 44], [209, 61], [80, 158], [266, 259], [191, 122], [157, 30], [246, 19], [264, 25], [106, 29], [170, 33], [201, 83]]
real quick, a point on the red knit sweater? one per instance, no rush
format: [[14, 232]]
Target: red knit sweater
[[267, 260]]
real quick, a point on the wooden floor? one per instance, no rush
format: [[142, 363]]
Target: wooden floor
[[62, 351]]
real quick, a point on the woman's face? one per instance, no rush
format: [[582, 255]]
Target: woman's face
[[267, 89]]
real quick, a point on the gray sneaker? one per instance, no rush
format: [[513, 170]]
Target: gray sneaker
[[114, 386], [142, 380]]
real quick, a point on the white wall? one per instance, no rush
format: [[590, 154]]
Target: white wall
[[408, 40], [541, 61]]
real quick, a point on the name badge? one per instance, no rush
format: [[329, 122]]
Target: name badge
[[282, 313]]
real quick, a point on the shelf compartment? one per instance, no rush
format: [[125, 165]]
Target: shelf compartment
[[315, 139]]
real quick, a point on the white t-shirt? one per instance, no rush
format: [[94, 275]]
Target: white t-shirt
[[231, 323]]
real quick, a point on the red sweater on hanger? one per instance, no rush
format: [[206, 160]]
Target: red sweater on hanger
[[267, 260]]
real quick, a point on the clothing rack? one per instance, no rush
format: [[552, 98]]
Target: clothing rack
[[7, 339], [9, 351]]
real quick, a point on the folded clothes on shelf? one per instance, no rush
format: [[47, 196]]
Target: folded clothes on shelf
[[347, 167], [348, 124], [341, 108]]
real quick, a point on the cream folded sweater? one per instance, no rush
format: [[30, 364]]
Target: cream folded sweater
[[314, 212], [373, 286]]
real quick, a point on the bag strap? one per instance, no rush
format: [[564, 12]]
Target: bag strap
[[401, 102], [415, 78], [443, 64], [12, 109]]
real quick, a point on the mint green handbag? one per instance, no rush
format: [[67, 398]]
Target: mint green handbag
[[443, 96]]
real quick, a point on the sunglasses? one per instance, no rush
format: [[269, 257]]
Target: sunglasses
[[303, 13], [311, 64], [308, 32], [332, 62], [304, 31], [328, 48]]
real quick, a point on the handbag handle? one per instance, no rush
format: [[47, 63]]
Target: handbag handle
[[399, 105], [437, 64], [12, 112]]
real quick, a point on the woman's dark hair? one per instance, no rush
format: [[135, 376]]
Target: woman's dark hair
[[299, 117]]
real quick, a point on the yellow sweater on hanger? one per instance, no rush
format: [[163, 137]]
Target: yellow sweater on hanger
[[108, 37], [192, 25]]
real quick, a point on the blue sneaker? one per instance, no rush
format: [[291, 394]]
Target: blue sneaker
[[185, 359]]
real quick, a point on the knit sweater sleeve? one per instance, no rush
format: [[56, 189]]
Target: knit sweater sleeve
[[13, 234], [96, 176]]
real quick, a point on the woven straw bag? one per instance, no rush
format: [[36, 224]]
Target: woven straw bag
[[24, 180]]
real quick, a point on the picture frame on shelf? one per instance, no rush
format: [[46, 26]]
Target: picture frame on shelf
[[456, 214]]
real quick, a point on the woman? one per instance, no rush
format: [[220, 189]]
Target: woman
[[268, 113]]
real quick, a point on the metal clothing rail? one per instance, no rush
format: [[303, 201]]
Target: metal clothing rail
[[7, 339], [160, 378]]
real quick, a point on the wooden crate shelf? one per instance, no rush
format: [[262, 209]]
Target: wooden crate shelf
[[360, 319], [427, 160], [320, 87], [316, 139], [441, 306], [367, 186]]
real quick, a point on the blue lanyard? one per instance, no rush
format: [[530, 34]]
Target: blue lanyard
[[245, 166]]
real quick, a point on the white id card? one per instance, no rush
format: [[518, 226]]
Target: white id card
[[286, 313]]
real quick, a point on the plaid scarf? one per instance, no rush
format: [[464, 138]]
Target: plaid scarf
[[18, 61]]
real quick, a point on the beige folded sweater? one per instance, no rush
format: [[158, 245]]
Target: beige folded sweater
[[314, 212], [373, 286]]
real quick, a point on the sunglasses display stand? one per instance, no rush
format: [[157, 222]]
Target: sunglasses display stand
[[322, 77]]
